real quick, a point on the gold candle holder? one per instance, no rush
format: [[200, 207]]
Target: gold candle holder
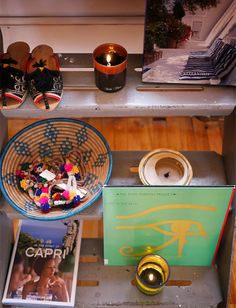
[[152, 274]]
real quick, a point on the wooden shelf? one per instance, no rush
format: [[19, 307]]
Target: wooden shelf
[[208, 170], [82, 99]]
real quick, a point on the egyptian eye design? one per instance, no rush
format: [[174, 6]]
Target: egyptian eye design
[[179, 230]]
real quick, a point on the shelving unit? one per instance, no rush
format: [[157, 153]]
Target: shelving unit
[[208, 170], [82, 99], [209, 286]]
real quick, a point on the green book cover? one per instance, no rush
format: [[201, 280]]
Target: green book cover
[[183, 224]]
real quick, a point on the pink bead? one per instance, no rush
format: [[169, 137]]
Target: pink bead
[[68, 167], [45, 190], [66, 194], [43, 200]]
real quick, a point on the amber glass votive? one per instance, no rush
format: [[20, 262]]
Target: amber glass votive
[[152, 274], [110, 63]]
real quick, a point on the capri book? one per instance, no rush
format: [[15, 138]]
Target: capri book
[[44, 264]]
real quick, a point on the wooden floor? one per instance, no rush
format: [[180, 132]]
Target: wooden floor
[[177, 133]]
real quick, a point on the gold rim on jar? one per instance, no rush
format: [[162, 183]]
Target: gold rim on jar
[[157, 264]]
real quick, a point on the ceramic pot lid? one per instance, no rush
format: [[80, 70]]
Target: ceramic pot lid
[[165, 167]]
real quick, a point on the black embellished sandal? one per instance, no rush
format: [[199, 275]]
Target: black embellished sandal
[[13, 87], [44, 78]]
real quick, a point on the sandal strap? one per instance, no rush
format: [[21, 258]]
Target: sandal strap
[[12, 81], [46, 101], [44, 81], [9, 76], [4, 100]]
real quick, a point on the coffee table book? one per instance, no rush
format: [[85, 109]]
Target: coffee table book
[[44, 264]]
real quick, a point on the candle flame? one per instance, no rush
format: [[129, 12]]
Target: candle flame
[[108, 58], [151, 277]]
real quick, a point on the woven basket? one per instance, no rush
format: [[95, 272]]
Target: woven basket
[[51, 138]]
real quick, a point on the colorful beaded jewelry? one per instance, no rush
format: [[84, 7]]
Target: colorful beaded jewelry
[[52, 183]]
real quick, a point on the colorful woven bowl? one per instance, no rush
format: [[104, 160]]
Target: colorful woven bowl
[[53, 138]]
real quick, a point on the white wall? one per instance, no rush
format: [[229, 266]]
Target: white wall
[[66, 25], [75, 38], [71, 7], [208, 17]]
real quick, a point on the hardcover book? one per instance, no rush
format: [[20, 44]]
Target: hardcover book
[[190, 42], [44, 264], [182, 224]]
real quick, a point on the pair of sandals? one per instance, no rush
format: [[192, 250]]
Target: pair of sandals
[[39, 72]]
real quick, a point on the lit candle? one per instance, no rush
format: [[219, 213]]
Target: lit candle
[[110, 62], [108, 58], [152, 274]]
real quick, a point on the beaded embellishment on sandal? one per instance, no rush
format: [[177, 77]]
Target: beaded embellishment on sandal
[[13, 88], [44, 78]]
